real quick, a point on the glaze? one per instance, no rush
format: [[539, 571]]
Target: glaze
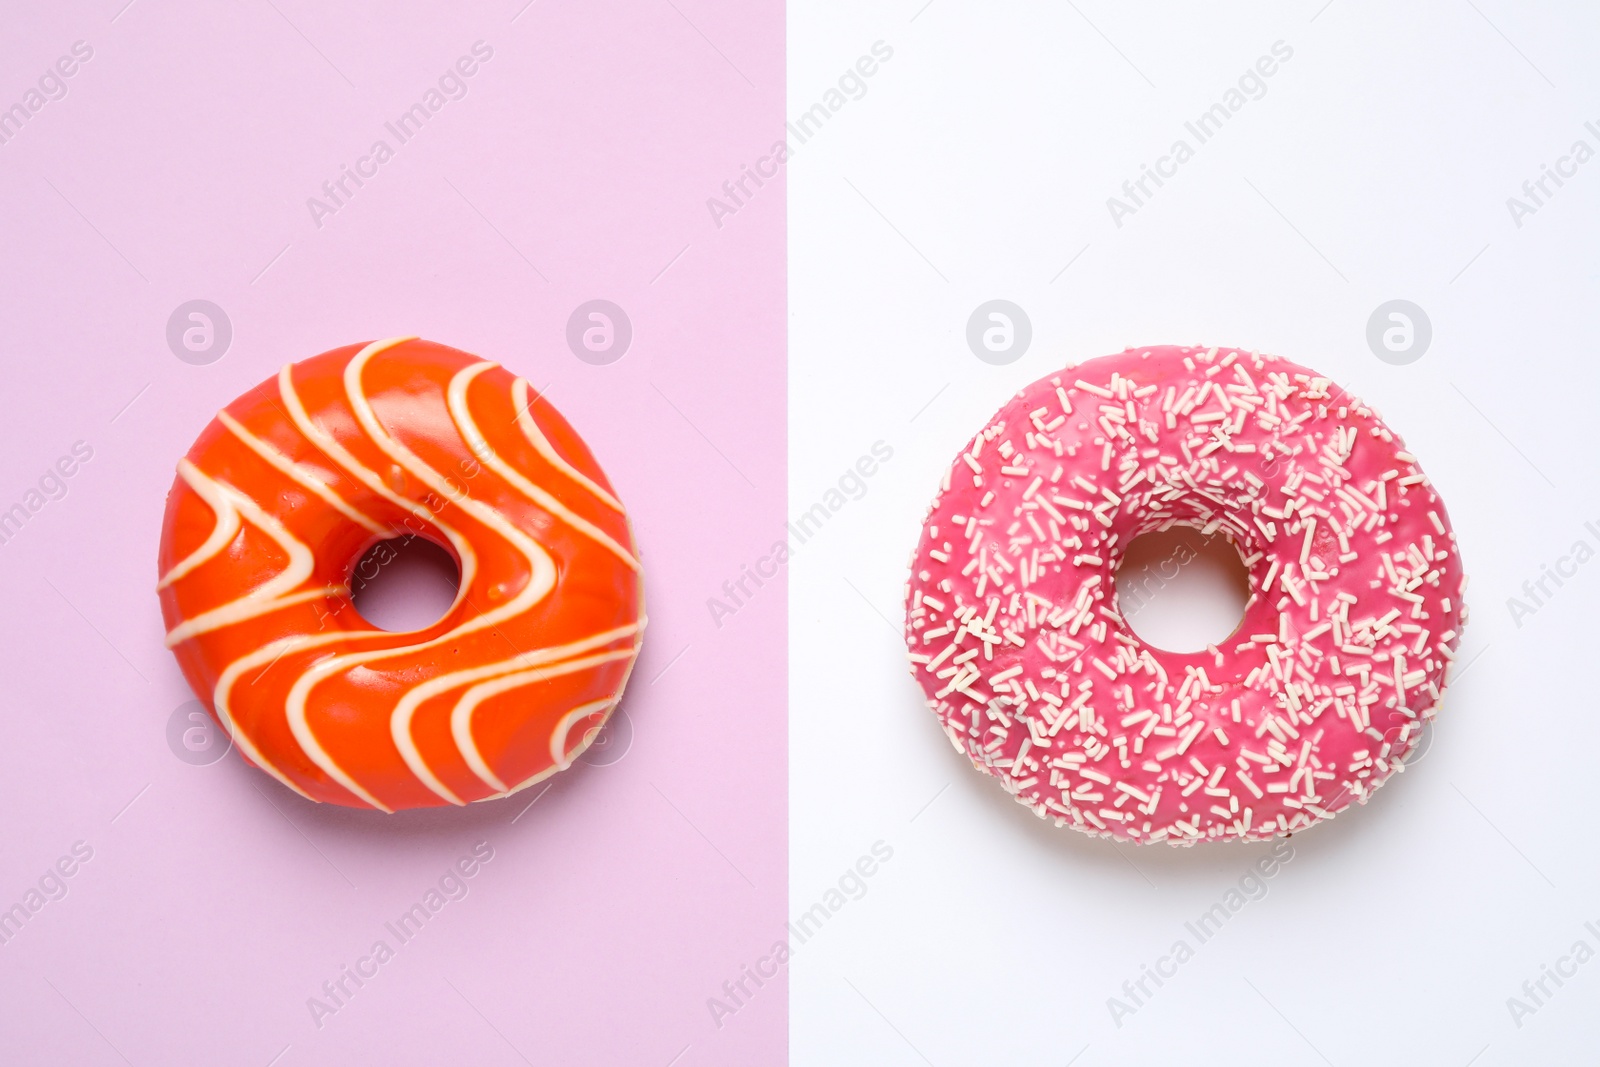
[[1317, 698], [286, 489]]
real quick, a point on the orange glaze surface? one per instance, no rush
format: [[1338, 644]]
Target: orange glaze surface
[[286, 489]]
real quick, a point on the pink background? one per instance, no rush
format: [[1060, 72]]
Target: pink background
[[177, 167]]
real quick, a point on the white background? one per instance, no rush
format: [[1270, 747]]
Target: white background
[[1377, 166]]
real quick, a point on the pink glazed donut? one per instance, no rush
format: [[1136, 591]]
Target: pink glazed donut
[[1316, 699]]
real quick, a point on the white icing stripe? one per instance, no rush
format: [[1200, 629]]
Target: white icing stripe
[[461, 715], [550, 770], [238, 611], [480, 448], [230, 506], [270, 595], [222, 533], [558, 739], [300, 474], [400, 720], [540, 566], [339, 454], [224, 689], [621, 685], [530, 430], [295, 708], [296, 711]]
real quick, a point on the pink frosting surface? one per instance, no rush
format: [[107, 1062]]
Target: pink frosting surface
[[1355, 608]]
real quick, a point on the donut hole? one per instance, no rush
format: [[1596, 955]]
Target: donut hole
[[404, 583], [1181, 590]]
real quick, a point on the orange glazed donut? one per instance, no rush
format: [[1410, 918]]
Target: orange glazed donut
[[289, 486]]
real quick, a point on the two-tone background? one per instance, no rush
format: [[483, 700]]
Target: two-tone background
[[806, 218]]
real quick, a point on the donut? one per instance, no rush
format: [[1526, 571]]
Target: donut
[[1355, 609], [288, 487]]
